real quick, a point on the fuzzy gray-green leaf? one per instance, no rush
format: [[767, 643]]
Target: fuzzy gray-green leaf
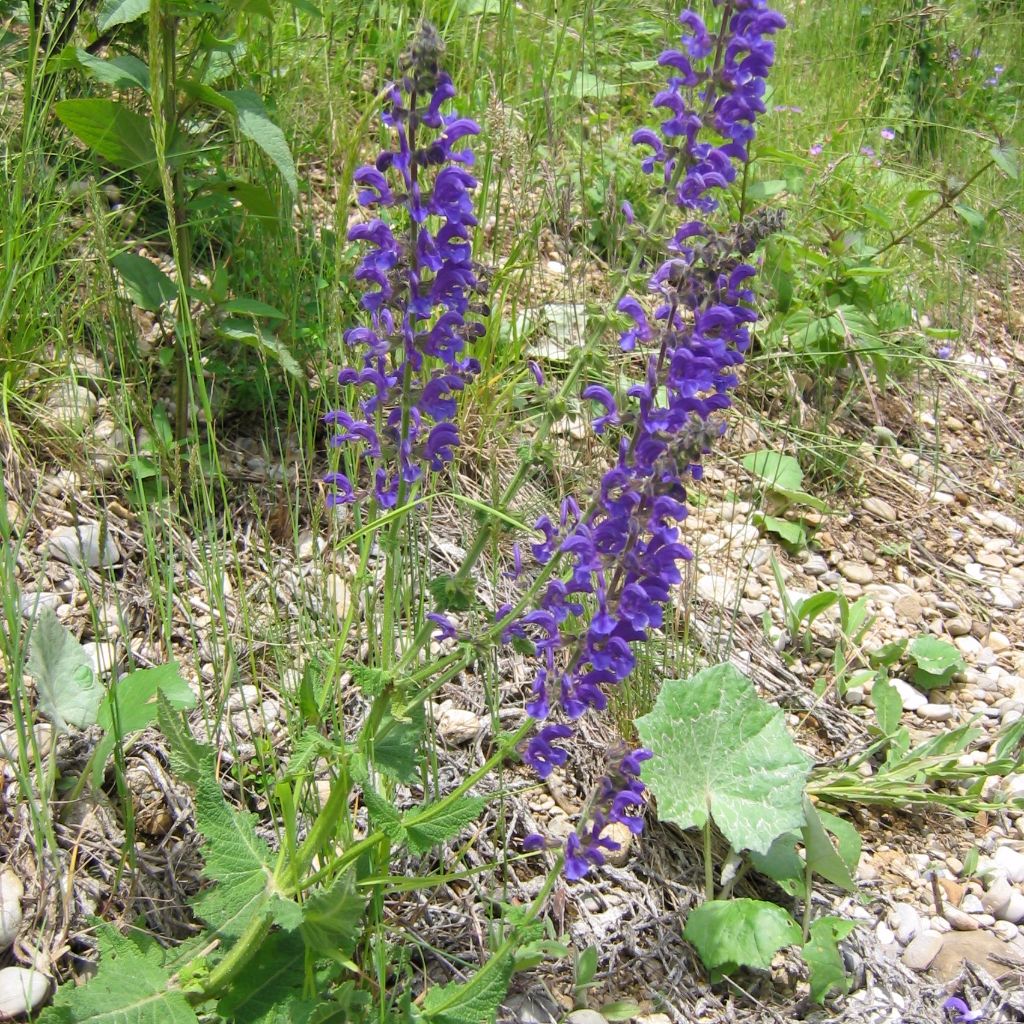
[[67, 689], [721, 751]]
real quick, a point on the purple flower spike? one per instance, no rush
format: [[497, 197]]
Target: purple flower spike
[[421, 287], [625, 552]]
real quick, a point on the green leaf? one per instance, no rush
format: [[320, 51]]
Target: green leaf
[[1005, 158], [124, 72], [783, 865], [235, 857], [620, 1010], [132, 704], [117, 134], [397, 750], [252, 307], [761, 190], [67, 689], [452, 594], [433, 825], [127, 989], [778, 471], [263, 341], [847, 838], [190, 759], [255, 124], [586, 967], [471, 1002], [383, 814], [147, 285], [888, 705], [275, 975], [811, 607], [791, 534], [254, 198], [821, 854], [936, 661], [821, 953], [306, 750], [739, 933], [720, 751], [119, 12], [331, 918]]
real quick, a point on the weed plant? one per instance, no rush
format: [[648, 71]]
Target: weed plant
[[255, 278]]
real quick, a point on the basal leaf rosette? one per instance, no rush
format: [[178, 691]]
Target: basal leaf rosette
[[722, 752]]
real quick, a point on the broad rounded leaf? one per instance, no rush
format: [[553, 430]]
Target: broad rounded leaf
[[778, 471], [721, 751], [120, 12], [739, 933], [67, 689]]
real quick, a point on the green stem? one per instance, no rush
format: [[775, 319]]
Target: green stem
[[235, 960], [945, 204], [806, 922], [709, 870]]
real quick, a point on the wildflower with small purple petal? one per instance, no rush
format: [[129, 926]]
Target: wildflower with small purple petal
[[962, 1013], [421, 287], [888, 134], [623, 556]]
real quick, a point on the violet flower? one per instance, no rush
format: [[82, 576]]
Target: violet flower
[[625, 554], [420, 287], [962, 1013]]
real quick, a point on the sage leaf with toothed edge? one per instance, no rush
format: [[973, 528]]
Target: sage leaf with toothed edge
[[67, 689], [128, 988], [433, 825], [721, 752], [471, 1002]]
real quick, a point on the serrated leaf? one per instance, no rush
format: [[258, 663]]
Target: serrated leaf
[[127, 989], [255, 124], [821, 953], [397, 752], [821, 854], [372, 681], [332, 918], [428, 827], [272, 980], [67, 690], [147, 285], [383, 814], [190, 759], [117, 134], [235, 857], [452, 594], [471, 1002], [132, 705], [739, 933], [308, 748], [721, 751], [120, 12]]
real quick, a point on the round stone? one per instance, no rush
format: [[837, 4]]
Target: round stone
[[920, 953]]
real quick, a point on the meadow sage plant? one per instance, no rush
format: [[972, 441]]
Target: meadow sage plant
[[422, 289], [625, 550]]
